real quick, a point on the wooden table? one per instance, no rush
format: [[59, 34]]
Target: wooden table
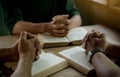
[[103, 13], [68, 72], [111, 35]]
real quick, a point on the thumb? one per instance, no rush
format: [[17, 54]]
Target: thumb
[[102, 36], [65, 16], [23, 36]]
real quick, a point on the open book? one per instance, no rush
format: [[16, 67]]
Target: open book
[[77, 59], [74, 36], [46, 65]]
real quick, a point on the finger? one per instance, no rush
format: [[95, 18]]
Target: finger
[[102, 36], [59, 26], [29, 35], [60, 16], [38, 45], [66, 16], [86, 37], [60, 35], [85, 40], [93, 30], [36, 58], [23, 35], [40, 51], [87, 48], [55, 17], [83, 45], [92, 34], [95, 33], [59, 31], [37, 55], [60, 20], [66, 28], [40, 41], [31, 42], [90, 39]]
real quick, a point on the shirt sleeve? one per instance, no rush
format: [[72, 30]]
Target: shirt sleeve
[[13, 18], [71, 8], [14, 14], [3, 28]]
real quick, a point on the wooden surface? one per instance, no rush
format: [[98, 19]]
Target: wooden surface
[[102, 13], [7, 41], [84, 7], [104, 2], [68, 72], [111, 35]]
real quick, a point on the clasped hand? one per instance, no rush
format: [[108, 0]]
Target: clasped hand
[[59, 26], [94, 39]]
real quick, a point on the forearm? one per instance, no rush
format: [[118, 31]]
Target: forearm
[[105, 67], [5, 54], [113, 51], [23, 68], [29, 27], [75, 21]]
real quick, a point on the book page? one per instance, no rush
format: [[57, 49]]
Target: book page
[[47, 38], [46, 65], [77, 59], [76, 34], [52, 41]]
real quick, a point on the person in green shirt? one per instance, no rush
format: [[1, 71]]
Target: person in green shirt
[[35, 16], [3, 26]]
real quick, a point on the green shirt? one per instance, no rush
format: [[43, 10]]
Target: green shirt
[[39, 10], [3, 25]]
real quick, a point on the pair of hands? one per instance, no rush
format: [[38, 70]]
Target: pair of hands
[[94, 39], [58, 26], [28, 46]]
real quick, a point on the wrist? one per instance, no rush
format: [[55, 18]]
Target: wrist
[[25, 57], [109, 48], [47, 27], [92, 52]]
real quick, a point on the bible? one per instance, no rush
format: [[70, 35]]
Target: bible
[[77, 59], [74, 36], [46, 65]]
